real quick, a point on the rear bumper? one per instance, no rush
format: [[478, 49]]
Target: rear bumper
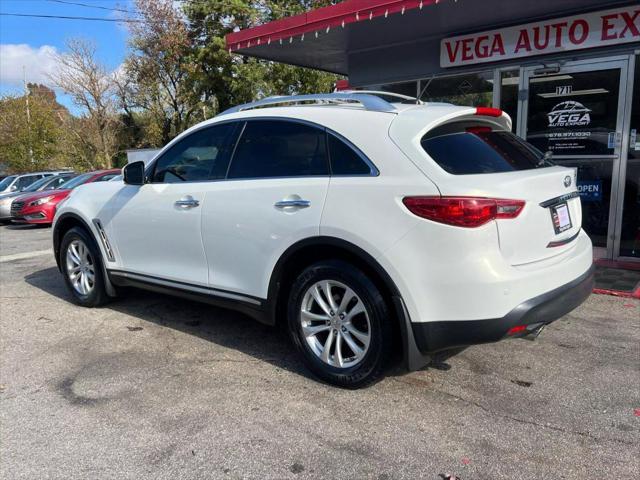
[[436, 336]]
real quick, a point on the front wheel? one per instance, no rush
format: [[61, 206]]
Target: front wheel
[[340, 323], [81, 265]]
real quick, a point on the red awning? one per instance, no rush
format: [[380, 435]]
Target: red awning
[[390, 40], [334, 16]]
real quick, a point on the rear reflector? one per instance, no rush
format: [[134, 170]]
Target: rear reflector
[[488, 112], [517, 329], [467, 212]]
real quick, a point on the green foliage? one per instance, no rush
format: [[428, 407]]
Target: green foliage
[[226, 79], [30, 142]]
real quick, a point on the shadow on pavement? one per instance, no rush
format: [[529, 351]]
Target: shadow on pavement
[[226, 328]]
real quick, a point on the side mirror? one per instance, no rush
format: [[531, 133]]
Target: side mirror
[[13, 188], [133, 173]]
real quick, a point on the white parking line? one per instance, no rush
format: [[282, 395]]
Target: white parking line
[[22, 256]]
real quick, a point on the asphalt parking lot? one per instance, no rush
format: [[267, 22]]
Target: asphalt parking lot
[[154, 387]]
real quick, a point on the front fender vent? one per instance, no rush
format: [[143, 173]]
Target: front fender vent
[[104, 240]]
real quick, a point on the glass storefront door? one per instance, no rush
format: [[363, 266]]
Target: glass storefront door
[[629, 237], [576, 112]]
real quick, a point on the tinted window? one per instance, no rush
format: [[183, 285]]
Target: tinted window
[[279, 149], [345, 160], [56, 182], [464, 149], [6, 182], [24, 182], [203, 155], [36, 185], [106, 178], [79, 180]]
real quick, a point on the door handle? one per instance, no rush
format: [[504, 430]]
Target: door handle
[[297, 203], [187, 202]]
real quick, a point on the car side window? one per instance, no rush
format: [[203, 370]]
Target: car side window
[[272, 148], [201, 156], [344, 159], [24, 182], [106, 178]]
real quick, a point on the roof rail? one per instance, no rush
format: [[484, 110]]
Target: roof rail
[[369, 102], [386, 94]]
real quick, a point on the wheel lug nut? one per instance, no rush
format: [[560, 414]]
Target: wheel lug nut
[[331, 313], [344, 329]]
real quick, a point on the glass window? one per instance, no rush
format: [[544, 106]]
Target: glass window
[[509, 82], [57, 181], [36, 185], [475, 90], [106, 178], [345, 160], [203, 155], [24, 182], [6, 182], [462, 149], [575, 113], [75, 181], [269, 148], [630, 235]]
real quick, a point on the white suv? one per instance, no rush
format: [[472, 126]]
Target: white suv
[[363, 226]]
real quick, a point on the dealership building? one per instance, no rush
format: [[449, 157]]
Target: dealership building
[[566, 71]]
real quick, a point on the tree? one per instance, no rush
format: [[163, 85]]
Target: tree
[[92, 88], [30, 142], [226, 79], [160, 72]]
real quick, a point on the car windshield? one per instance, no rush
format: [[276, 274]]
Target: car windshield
[[37, 184], [74, 182], [5, 183]]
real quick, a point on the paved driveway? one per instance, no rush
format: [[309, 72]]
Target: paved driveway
[[159, 388]]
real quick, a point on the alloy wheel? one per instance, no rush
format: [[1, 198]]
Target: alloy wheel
[[335, 324], [80, 267]]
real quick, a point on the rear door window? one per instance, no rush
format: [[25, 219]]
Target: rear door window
[[271, 148], [464, 149]]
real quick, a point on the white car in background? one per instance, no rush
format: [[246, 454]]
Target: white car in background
[[366, 227]]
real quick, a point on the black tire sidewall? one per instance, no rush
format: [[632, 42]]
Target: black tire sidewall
[[376, 358], [98, 295]]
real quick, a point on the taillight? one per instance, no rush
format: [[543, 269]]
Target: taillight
[[467, 212]]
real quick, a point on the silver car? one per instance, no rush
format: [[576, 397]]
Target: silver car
[[46, 183], [17, 183]]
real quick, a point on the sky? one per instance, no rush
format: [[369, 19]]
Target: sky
[[32, 42]]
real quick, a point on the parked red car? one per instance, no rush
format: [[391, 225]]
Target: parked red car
[[41, 207]]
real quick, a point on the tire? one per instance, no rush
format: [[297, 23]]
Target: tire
[[82, 244], [364, 339]]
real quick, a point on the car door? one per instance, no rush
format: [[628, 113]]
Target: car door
[[157, 226], [273, 196]]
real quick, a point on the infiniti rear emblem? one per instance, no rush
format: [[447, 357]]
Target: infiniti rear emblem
[[567, 181]]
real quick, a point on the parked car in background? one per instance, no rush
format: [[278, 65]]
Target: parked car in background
[[44, 184], [362, 226], [17, 183], [40, 207]]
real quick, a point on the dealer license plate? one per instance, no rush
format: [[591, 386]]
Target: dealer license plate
[[561, 218]]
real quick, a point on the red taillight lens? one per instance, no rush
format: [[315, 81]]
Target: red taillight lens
[[517, 329], [467, 212]]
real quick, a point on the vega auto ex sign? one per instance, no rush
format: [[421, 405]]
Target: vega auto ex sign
[[589, 30]]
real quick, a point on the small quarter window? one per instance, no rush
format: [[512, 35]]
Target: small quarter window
[[345, 160], [201, 156], [271, 148]]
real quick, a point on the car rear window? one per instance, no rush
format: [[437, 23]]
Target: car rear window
[[465, 149]]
